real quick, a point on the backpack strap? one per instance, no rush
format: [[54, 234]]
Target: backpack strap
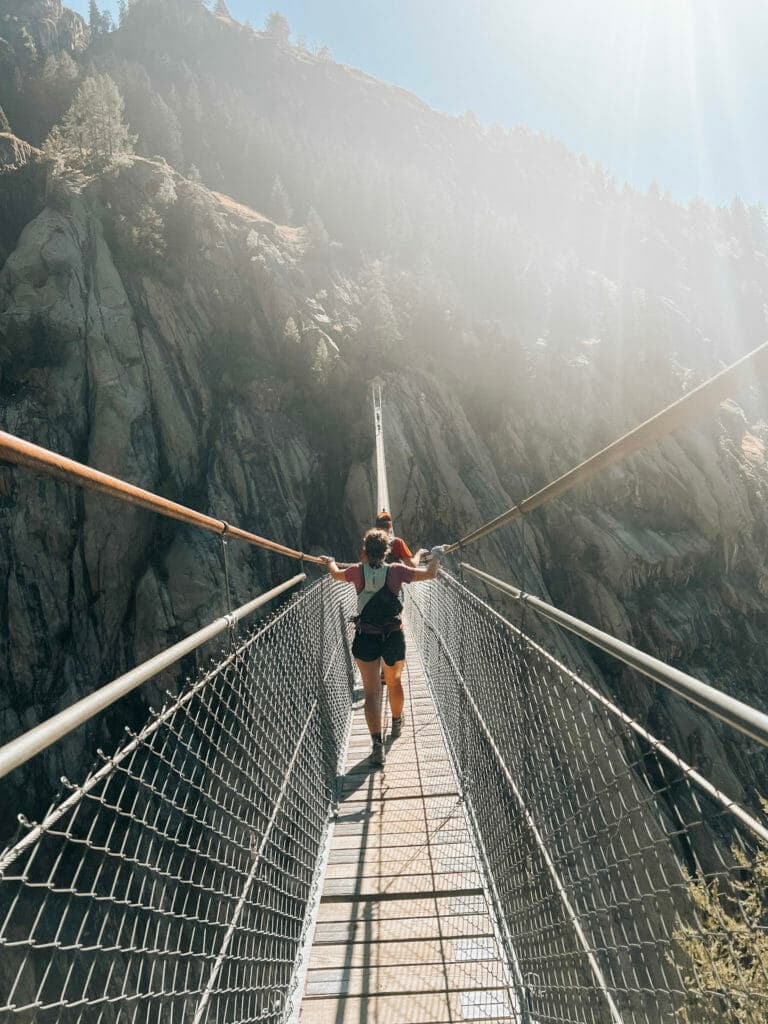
[[381, 614]]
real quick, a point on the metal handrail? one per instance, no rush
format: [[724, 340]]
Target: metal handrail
[[20, 750], [746, 719], [681, 413], [31, 456]]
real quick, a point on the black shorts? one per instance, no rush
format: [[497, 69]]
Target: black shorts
[[372, 646]]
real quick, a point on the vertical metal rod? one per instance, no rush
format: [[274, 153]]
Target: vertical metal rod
[[224, 554]]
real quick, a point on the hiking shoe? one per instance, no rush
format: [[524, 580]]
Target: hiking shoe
[[397, 728], [378, 757]]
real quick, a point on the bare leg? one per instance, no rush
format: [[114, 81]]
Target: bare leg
[[369, 670], [393, 677]]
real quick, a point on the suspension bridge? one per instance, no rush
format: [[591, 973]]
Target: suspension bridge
[[530, 853]]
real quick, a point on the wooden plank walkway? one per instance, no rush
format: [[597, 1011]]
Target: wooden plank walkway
[[403, 933]]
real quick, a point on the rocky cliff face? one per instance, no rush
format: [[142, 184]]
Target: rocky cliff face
[[171, 335], [53, 27], [141, 375], [25, 177]]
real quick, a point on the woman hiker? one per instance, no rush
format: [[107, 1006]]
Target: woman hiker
[[379, 628]]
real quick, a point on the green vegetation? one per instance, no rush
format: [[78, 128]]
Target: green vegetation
[[100, 21], [92, 135], [280, 205], [278, 27], [727, 953]]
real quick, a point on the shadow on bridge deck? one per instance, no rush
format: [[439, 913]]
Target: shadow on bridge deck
[[404, 932]]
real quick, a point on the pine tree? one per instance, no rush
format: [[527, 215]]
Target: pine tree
[[94, 17], [157, 125], [5, 125], [316, 233], [92, 135], [164, 126], [60, 70], [278, 27], [282, 210], [378, 321], [221, 9]]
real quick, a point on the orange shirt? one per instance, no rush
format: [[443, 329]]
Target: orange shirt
[[400, 550]]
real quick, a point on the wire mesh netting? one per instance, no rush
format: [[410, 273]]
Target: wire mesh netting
[[174, 884], [629, 889]]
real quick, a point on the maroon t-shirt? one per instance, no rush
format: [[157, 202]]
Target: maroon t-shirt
[[397, 575]]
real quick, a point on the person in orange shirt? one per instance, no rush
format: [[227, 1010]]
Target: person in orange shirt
[[399, 551]]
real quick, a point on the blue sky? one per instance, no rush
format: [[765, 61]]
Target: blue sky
[[672, 90]]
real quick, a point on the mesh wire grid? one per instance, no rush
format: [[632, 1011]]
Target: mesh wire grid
[[618, 874], [173, 884]]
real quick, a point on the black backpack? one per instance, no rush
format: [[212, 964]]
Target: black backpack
[[381, 615]]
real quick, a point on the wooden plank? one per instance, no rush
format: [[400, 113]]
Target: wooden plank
[[429, 749], [386, 787], [368, 933], [398, 929], [374, 980], [370, 910], [493, 1004], [416, 861], [394, 777], [374, 885], [356, 839], [453, 829], [427, 1008], [396, 831], [400, 761], [384, 790], [405, 745], [423, 1008], [358, 763], [386, 954], [363, 854], [465, 926], [385, 816], [380, 867], [431, 806], [428, 950], [397, 769], [457, 906]]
